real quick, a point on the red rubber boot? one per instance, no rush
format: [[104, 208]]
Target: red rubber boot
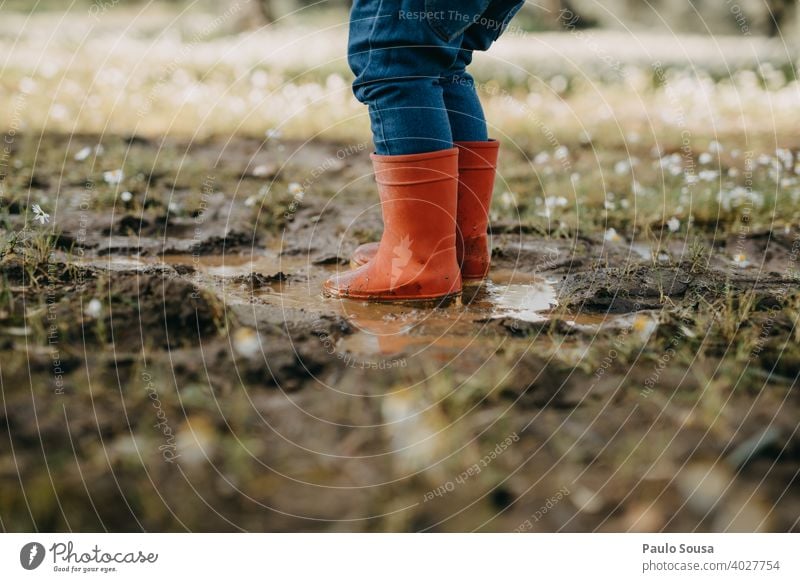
[[477, 165], [416, 258]]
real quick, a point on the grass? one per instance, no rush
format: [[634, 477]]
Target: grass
[[594, 147], [684, 162], [293, 78]]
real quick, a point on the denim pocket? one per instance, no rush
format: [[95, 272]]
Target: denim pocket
[[450, 18]]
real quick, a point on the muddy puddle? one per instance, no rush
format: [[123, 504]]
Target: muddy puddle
[[293, 284]]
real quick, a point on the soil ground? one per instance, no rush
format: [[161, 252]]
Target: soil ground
[[169, 362]]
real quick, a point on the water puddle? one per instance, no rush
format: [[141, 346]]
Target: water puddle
[[292, 284], [643, 323], [232, 265], [645, 252], [16, 331], [115, 263], [223, 266], [505, 294]]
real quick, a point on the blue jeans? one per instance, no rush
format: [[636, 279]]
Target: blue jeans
[[410, 59]]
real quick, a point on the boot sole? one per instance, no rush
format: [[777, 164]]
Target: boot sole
[[417, 301], [355, 265]]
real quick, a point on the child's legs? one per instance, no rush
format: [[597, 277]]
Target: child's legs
[[464, 110], [398, 59], [467, 121]]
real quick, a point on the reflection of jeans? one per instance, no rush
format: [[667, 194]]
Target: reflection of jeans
[[410, 59]]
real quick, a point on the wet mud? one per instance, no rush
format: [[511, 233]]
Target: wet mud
[[170, 363]]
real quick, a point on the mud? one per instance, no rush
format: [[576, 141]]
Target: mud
[[170, 363]]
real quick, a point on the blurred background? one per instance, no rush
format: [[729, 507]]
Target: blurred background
[[249, 66], [765, 17]]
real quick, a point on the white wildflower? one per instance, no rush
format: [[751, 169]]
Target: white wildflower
[[785, 156], [541, 158], [113, 177], [259, 79], [612, 236], [94, 308], [126, 197], [247, 342], [671, 161], [58, 111], [40, 214], [673, 224], [741, 260], [705, 158], [559, 83], [262, 171], [730, 199], [644, 326], [27, 85], [555, 202], [508, 200], [83, 154]]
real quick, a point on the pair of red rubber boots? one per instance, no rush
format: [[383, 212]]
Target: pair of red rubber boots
[[435, 213]]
